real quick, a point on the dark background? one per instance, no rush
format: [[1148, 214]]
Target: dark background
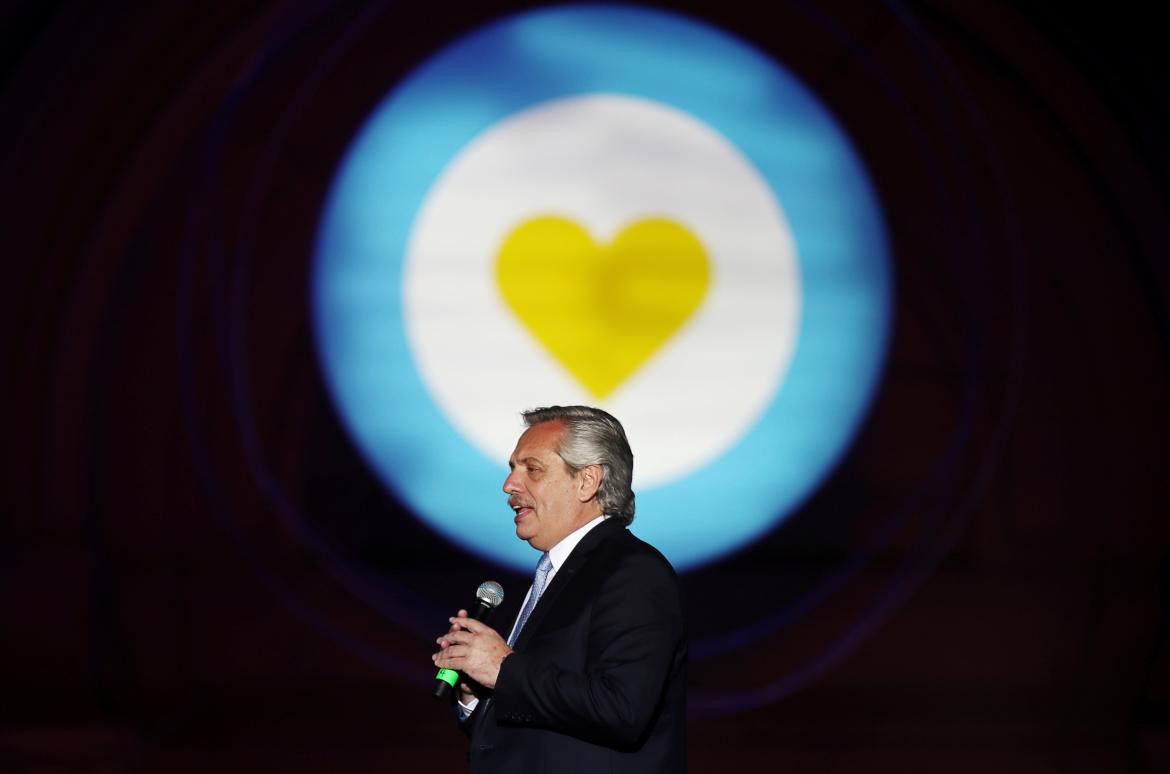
[[197, 572]]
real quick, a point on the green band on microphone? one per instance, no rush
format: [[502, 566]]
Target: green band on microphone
[[448, 676]]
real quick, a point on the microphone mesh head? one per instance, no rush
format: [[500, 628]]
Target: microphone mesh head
[[490, 593]]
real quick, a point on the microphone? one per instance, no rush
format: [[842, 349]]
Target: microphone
[[487, 597]]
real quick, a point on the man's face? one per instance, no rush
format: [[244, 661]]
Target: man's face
[[542, 492]]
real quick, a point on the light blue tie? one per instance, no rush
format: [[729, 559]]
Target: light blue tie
[[543, 567]]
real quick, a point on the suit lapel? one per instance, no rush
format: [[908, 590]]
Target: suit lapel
[[564, 577]]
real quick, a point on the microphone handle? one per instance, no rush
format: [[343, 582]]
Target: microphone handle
[[447, 679]]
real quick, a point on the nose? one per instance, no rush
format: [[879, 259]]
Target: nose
[[511, 485]]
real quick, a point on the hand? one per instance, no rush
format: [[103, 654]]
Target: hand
[[473, 648], [466, 692]]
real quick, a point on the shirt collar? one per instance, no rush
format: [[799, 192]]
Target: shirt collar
[[560, 552]]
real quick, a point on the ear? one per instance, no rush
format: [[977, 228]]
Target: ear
[[589, 479]]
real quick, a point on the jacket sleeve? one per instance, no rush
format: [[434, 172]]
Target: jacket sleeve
[[635, 637]]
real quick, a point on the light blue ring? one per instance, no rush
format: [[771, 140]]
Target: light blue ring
[[551, 54]]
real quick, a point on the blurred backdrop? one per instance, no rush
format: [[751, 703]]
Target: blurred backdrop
[[879, 290]]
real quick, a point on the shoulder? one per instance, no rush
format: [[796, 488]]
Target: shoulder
[[631, 579], [621, 552]]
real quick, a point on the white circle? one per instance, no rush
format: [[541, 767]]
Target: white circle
[[604, 161]]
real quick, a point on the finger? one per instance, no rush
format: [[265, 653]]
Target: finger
[[472, 625], [457, 621], [457, 638], [450, 638], [449, 659]]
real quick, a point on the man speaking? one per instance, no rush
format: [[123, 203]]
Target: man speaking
[[592, 676]]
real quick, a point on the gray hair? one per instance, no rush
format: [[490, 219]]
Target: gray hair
[[593, 437]]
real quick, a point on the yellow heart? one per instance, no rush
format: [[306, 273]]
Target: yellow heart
[[602, 310]]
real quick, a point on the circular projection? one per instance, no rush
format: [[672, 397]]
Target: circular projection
[[610, 206]]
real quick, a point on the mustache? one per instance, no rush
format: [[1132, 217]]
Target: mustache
[[518, 502]]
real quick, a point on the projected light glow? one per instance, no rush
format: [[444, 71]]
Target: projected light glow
[[708, 229]]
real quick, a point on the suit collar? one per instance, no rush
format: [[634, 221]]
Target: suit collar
[[592, 539], [560, 553]]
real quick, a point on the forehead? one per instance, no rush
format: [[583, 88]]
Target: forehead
[[540, 442]]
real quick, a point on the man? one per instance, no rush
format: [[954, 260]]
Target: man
[[593, 675]]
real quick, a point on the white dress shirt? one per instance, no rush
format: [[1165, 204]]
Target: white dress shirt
[[557, 556]]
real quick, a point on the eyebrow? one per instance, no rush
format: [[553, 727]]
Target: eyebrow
[[524, 461]]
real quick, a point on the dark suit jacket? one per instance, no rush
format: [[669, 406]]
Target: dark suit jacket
[[597, 682]]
